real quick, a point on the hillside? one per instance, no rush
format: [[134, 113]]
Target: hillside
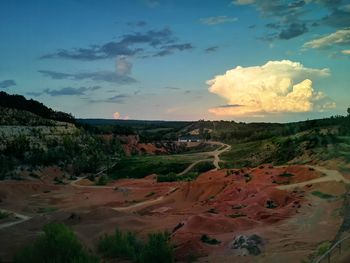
[[39, 137], [21, 103]]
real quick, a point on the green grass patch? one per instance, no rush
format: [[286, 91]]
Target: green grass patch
[[203, 167], [173, 177], [322, 195], [323, 248], [141, 166]]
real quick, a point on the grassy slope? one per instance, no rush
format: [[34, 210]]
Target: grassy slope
[[141, 166], [303, 147]]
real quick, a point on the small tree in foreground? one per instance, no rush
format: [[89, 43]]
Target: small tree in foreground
[[58, 244]]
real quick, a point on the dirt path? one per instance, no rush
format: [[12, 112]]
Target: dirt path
[[144, 204], [330, 175], [189, 168], [74, 183], [224, 148], [216, 154], [22, 218]]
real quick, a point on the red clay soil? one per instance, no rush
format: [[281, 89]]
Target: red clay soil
[[218, 204]]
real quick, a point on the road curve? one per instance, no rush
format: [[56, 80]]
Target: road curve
[[22, 218], [330, 175]]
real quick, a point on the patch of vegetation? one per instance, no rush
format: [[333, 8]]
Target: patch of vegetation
[[322, 195], [323, 248], [212, 211], [141, 166], [58, 180], [271, 204], [285, 174], [247, 178], [42, 210], [34, 175], [177, 227], [21, 103], [4, 215], [208, 240], [202, 167], [173, 177], [127, 246], [237, 215], [102, 180], [150, 194], [58, 244]]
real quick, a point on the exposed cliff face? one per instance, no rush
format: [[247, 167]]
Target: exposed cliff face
[[131, 145]]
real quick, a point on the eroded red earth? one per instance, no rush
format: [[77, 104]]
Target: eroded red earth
[[220, 204]]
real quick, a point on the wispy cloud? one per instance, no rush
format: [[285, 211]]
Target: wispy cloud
[[67, 91], [211, 49], [216, 20], [119, 99], [107, 76], [143, 44], [7, 83], [340, 37]]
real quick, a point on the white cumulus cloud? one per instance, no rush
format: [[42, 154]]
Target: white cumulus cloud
[[340, 37], [123, 66], [116, 115], [277, 86]]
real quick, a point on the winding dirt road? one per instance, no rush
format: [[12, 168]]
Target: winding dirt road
[[330, 175], [22, 218], [215, 154]]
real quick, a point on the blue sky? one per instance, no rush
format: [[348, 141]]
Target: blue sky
[[244, 60]]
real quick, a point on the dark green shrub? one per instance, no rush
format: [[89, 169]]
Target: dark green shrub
[[103, 180], [120, 245], [285, 174], [208, 240], [157, 249], [322, 195], [127, 246], [58, 244]]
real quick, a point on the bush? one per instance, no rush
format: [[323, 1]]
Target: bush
[[203, 167], [127, 246], [120, 245], [158, 249], [322, 195], [58, 244], [170, 177], [4, 215], [173, 177], [103, 180], [211, 241]]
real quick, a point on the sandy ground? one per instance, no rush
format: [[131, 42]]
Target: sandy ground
[[220, 203]]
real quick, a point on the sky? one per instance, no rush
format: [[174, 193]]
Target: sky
[[242, 60]]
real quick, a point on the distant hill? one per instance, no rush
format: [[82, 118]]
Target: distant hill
[[21, 103]]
